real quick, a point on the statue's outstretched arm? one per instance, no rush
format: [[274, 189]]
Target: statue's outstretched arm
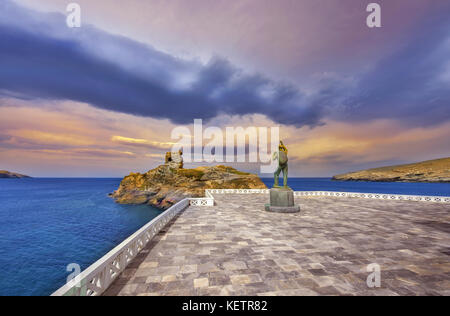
[[275, 156]]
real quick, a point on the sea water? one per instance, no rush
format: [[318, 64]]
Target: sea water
[[47, 224]]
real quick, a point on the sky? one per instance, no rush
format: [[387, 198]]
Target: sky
[[102, 100]]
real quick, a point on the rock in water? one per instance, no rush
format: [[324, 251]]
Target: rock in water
[[11, 175], [164, 186]]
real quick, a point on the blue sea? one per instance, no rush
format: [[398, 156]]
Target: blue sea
[[46, 224]]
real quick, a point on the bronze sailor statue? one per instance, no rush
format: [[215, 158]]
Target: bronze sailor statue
[[282, 165], [281, 197]]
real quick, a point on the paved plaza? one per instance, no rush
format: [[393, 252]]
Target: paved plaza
[[236, 248]]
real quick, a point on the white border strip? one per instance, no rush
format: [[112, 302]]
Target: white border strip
[[381, 196]]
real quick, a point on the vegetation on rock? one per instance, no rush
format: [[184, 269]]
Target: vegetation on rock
[[164, 186]]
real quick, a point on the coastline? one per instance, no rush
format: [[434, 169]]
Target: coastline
[[430, 171], [328, 184], [388, 180]]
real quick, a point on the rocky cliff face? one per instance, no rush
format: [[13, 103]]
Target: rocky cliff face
[[428, 171], [164, 186], [11, 175]]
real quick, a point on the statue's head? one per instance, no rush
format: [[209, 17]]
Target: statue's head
[[281, 147]]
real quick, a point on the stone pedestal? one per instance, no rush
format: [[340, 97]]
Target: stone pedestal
[[282, 201]]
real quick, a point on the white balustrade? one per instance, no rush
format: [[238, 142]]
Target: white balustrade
[[98, 277], [381, 196], [201, 202]]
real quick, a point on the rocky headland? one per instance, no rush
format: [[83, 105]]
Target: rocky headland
[[169, 183], [11, 175], [427, 171]]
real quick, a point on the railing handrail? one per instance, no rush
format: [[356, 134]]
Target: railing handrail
[[108, 259], [382, 196]]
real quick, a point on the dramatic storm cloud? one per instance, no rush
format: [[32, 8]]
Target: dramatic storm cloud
[[102, 100], [41, 58], [412, 84]]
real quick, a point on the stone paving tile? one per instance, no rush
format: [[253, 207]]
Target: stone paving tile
[[236, 248]]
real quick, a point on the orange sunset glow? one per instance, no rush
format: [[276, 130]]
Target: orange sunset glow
[[346, 99]]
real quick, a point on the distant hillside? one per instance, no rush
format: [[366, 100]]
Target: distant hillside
[[11, 175], [427, 171]]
